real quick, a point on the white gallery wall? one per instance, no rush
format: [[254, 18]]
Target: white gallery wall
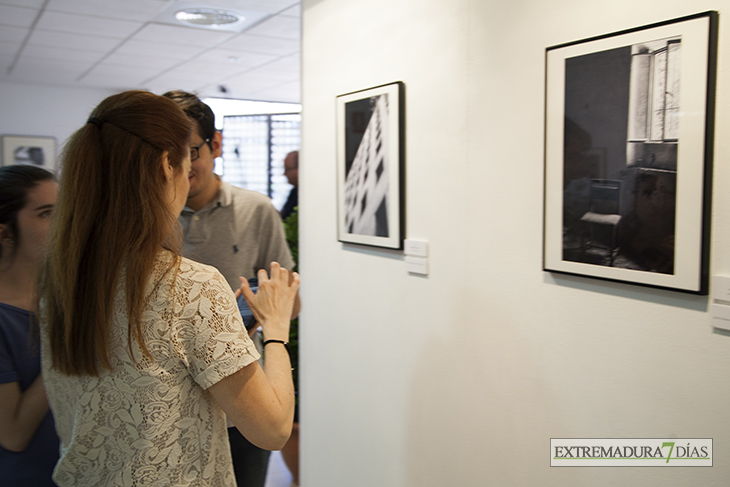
[[462, 377], [48, 111]]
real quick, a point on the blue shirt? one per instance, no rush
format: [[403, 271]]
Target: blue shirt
[[20, 361]]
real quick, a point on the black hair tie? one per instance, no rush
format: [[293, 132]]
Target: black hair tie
[[95, 121]]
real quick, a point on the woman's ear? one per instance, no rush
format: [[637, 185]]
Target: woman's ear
[[167, 170]]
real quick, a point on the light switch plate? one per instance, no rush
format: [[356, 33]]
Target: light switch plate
[[720, 305], [417, 265], [720, 311], [417, 248]]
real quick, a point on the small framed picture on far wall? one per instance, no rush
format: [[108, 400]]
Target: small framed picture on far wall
[[370, 166], [29, 150]]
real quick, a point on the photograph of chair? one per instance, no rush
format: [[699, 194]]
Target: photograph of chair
[[603, 218], [628, 154]]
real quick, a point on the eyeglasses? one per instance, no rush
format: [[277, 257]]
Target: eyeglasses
[[195, 151]]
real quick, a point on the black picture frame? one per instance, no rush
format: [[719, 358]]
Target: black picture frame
[[29, 150], [629, 127], [370, 166]]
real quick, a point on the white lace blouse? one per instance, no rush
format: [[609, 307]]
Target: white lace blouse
[[153, 422]]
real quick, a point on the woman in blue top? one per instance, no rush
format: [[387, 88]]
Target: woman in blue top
[[28, 441]]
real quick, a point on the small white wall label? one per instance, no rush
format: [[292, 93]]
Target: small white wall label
[[720, 307], [417, 265]]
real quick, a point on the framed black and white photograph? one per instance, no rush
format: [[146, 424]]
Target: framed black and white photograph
[[29, 150], [629, 123], [370, 162]]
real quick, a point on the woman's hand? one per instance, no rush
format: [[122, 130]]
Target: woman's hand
[[273, 302]]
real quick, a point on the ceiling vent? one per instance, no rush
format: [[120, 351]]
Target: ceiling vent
[[209, 17]]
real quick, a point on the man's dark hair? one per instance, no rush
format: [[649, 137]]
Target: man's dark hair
[[197, 111]]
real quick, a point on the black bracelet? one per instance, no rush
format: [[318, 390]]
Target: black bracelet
[[286, 345]]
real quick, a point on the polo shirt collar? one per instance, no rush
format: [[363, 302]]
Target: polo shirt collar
[[223, 198]]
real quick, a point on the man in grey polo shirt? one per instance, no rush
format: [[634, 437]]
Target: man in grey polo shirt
[[235, 230]]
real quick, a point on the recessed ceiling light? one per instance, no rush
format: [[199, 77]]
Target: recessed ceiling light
[[207, 16], [195, 15]]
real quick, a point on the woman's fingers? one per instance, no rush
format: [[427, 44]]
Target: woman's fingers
[[262, 275], [238, 291], [245, 289], [276, 293], [275, 271]]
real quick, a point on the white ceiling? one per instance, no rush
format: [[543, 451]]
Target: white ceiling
[[134, 44]]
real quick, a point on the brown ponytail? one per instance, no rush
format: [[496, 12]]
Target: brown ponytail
[[111, 218]]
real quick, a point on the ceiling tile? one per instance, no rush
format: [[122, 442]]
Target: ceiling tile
[[63, 22], [178, 81], [186, 36], [290, 92], [92, 38], [139, 10], [232, 91], [54, 53], [69, 41], [173, 51], [267, 45], [210, 91], [5, 61], [113, 84], [235, 60], [119, 81], [37, 4], [263, 74], [253, 82], [160, 63], [48, 71], [269, 6], [12, 34], [9, 48], [235, 93], [127, 73], [104, 69], [212, 69], [41, 76], [274, 94], [284, 27], [17, 16], [287, 64], [295, 11], [196, 77], [205, 68], [50, 65]]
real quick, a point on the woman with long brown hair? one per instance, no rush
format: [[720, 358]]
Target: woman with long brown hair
[[144, 352]]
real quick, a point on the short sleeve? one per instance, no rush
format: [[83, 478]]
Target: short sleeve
[[209, 334]]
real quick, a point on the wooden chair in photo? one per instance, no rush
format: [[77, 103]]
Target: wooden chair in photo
[[604, 216]]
